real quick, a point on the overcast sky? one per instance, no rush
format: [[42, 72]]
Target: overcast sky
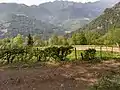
[[36, 2]]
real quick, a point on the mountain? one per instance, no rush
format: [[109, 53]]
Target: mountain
[[61, 12], [22, 24], [48, 18], [106, 26], [106, 21]]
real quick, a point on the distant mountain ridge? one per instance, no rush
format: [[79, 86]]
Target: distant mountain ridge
[[57, 11], [51, 17], [22, 24]]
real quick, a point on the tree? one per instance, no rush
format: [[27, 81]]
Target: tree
[[73, 39], [38, 41], [18, 40], [30, 41], [79, 39], [53, 40], [113, 37], [83, 40], [62, 40], [65, 41], [91, 37]]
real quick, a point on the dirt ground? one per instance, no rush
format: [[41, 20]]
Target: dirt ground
[[77, 76]]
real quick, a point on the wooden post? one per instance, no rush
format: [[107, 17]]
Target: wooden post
[[8, 58], [101, 52], [119, 48], [75, 54], [112, 51]]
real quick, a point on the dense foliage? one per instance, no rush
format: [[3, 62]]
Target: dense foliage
[[89, 54], [108, 82], [28, 54], [15, 50]]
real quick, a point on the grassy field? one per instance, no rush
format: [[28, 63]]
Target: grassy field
[[103, 55]]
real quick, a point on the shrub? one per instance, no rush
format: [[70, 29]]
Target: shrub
[[64, 51], [109, 82], [58, 53], [89, 54], [27, 54]]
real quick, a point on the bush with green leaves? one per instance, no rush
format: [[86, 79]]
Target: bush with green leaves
[[89, 54], [28, 54], [10, 54], [58, 53], [39, 54], [109, 82]]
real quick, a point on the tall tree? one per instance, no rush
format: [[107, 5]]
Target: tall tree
[[91, 37], [79, 39], [30, 41], [18, 40], [83, 40]]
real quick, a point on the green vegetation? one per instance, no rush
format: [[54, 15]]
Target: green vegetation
[[78, 39], [99, 55], [14, 50], [110, 38], [108, 82], [104, 30], [35, 48], [89, 54], [110, 19]]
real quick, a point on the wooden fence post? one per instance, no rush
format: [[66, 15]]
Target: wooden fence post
[[75, 54], [119, 48], [112, 51], [101, 52]]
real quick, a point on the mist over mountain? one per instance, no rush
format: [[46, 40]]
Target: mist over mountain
[[61, 15]]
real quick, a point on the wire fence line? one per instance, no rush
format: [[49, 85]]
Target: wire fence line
[[107, 52], [102, 51], [98, 48]]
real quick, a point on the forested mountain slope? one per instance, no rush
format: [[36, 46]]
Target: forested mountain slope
[[106, 27], [108, 20]]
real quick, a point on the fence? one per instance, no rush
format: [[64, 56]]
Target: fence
[[105, 52], [39, 54]]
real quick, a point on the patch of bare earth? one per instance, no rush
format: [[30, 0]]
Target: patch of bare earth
[[64, 77]]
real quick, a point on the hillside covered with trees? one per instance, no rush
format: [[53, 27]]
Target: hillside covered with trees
[[105, 29], [56, 17]]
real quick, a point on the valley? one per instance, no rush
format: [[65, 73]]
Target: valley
[[60, 45], [56, 17]]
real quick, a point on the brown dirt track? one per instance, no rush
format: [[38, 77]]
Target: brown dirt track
[[64, 77]]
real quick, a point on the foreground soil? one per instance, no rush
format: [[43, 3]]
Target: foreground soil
[[78, 76]]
